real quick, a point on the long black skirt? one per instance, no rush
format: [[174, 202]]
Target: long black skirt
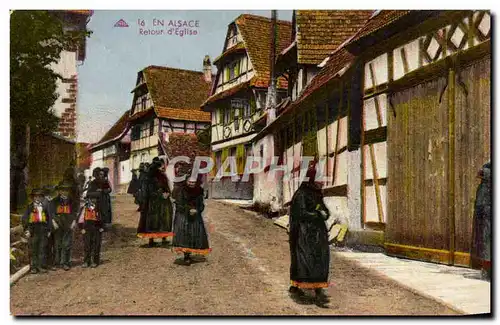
[[310, 254], [190, 235]]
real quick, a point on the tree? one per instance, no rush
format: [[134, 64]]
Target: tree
[[37, 39]]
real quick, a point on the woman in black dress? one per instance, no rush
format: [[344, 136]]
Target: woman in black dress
[[190, 233], [308, 238], [157, 210]]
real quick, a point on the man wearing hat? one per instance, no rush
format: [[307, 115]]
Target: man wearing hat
[[92, 227], [63, 223], [36, 224]]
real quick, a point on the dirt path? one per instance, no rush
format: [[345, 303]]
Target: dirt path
[[246, 274]]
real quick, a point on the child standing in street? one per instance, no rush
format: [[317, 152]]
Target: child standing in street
[[64, 223], [91, 224], [36, 223]]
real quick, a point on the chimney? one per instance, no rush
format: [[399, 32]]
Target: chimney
[[207, 69]]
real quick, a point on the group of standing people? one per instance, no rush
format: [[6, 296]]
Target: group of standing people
[[157, 203]]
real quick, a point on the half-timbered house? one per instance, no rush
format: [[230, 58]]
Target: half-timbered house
[[315, 119], [113, 152], [166, 100], [426, 127], [238, 95]]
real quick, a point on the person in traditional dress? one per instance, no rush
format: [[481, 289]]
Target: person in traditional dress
[[36, 223], [134, 183], [140, 193], [308, 238], [156, 221], [190, 236], [481, 245], [91, 227], [101, 185], [64, 223], [51, 250], [107, 214]]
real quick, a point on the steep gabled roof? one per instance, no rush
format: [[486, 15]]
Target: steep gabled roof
[[177, 93], [117, 131], [319, 32], [379, 20], [255, 31]]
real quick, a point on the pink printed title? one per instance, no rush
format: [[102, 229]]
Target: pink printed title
[[158, 27]]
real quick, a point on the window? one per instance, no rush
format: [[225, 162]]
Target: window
[[143, 102], [135, 134], [262, 151], [227, 115], [234, 70], [248, 150], [152, 128]]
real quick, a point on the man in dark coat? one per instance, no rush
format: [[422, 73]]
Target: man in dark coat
[[481, 245], [36, 223], [64, 224], [308, 238]]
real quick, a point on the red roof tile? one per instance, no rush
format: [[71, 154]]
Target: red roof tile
[[255, 31], [115, 132], [185, 114], [319, 32], [378, 20]]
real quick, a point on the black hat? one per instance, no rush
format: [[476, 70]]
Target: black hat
[[37, 191]]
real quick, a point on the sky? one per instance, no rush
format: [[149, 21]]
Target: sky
[[116, 54]]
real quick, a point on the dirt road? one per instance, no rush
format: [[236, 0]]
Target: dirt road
[[246, 274]]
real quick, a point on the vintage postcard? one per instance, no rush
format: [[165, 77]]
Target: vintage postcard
[[250, 162]]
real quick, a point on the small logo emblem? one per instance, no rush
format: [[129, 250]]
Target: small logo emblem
[[121, 23]]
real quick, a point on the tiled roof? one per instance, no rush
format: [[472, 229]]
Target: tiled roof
[[336, 62], [255, 31], [115, 132], [176, 88], [378, 21], [319, 32], [177, 93], [186, 114]]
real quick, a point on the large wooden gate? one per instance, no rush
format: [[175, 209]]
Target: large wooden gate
[[438, 137]]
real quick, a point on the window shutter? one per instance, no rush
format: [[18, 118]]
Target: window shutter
[[240, 156], [226, 74], [224, 157], [237, 69]]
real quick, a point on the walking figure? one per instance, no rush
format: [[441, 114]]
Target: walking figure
[[189, 229], [308, 238]]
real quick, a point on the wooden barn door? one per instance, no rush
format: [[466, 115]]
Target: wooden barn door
[[438, 136]]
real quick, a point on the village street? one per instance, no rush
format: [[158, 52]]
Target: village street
[[246, 274]]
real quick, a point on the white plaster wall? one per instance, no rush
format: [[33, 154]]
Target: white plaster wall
[[380, 150], [354, 189], [370, 112], [337, 206], [371, 203], [125, 172], [97, 160], [380, 69], [66, 67]]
